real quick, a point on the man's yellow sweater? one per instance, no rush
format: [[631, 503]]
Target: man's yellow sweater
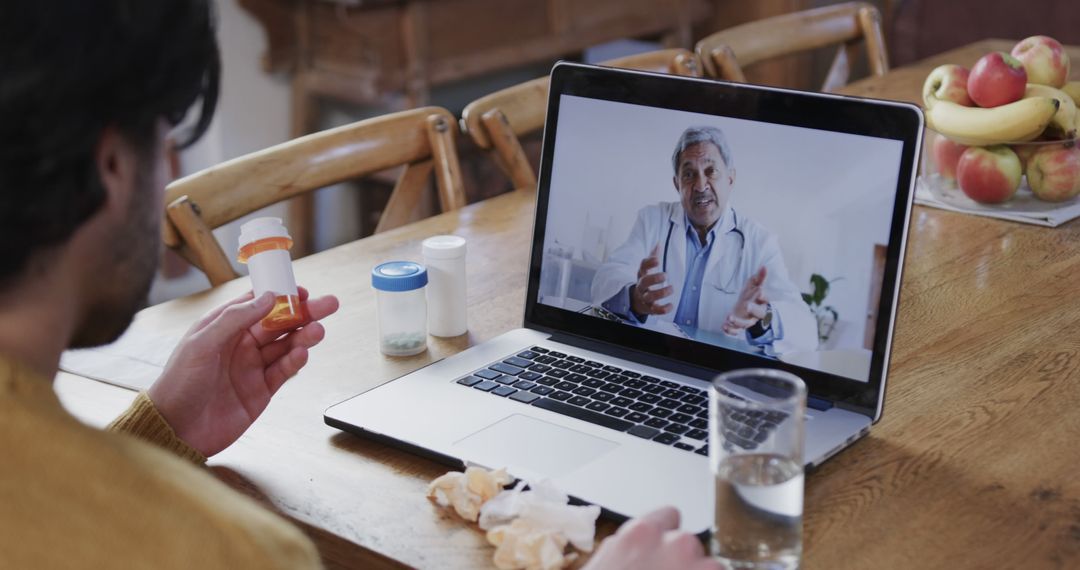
[[76, 497]]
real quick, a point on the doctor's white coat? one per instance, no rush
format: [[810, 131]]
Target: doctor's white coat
[[731, 262]]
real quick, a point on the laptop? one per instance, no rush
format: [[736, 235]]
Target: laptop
[[601, 390]]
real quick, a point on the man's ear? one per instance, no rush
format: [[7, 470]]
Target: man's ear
[[675, 182], [731, 176], [117, 163]]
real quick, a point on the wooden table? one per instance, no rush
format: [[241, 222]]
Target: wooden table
[[973, 465]]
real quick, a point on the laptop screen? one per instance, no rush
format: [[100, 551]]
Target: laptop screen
[[753, 235]]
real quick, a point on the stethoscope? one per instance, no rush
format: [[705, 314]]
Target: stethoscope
[[742, 246]]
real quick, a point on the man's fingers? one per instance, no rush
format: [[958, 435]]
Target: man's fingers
[[306, 337], [647, 264], [216, 311], [667, 518], [740, 322], [759, 277], [238, 317], [649, 280], [285, 367], [314, 310], [756, 310]]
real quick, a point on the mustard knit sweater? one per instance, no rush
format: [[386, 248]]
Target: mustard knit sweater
[[76, 497]]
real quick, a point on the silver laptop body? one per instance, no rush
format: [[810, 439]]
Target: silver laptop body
[[438, 411]]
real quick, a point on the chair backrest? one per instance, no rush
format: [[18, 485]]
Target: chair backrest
[[724, 54], [495, 122], [420, 139]]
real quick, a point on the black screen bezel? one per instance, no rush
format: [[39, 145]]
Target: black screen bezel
[[785, 107]]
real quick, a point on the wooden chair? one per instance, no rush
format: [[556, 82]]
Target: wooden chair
[[496, 122], [724, 54], [421, 139]]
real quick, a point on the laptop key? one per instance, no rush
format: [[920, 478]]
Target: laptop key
[[666, 438], [593, 383], [611, 387], [524, 385], [539, 349], [599, 374], [631, 393], [485, 386], [579, 401], [676, 428], [562, 364], [575, 359], [612, 369], [470, 380], [631, 374], [656, 423], [673, 393], [622, 402], [660, 412], [681, 418], [580, 368], [688, 409], [654, 388], [539, 368], [669, 384], [633, 383], [695, 399], [593, 363], [683, 446], [542, 390], [530, 376], [576, 377], [643, 432], [519, 362], [582, 414], [504, 379], [649, 398], [668, 403], [617, 412], [506, 368], [503, 391], [564, 385], [547, 381], [650, 379], [704, 450], [640, 407], [584, 391], [545, 359], [636, 417], [556, 372], [603, 396], [524, 397], [527, 354], [487, 374], [700, 423], [699, 434], [556, 354], [562, 396], [618, 378], [597, 406]]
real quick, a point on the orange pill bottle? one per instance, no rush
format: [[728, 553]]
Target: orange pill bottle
[[264, 247]]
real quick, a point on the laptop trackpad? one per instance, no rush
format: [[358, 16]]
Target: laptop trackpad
[[546, 449]]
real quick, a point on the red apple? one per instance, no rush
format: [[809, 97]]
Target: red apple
[[989, 175], [947, 83], [947, 156], [997, 79], [1044, 59], [1054, 172]]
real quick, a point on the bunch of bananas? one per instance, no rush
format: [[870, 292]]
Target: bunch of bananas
[[1042, 109]]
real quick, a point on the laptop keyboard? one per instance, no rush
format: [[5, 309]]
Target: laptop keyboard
[[645, 406]]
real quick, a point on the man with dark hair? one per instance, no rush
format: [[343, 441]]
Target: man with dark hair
[[88, 93]]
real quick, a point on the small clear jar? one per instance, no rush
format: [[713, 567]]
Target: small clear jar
[[402, 307], [264, 247]]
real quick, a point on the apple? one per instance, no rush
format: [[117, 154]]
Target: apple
[[1044, 59], [1054, 172], [989, 175], [997, 79], [947, 156], [947, 83], [1024, 152]]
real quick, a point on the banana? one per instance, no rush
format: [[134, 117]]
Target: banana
[[1073, 90], [1063, 124], [1018, 121]]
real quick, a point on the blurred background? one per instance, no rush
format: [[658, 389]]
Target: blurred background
[[292, 67]]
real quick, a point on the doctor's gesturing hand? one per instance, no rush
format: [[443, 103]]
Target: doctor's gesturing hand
[[644, 300], [751, 306]]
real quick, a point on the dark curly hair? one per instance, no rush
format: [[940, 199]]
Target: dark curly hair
[[68, 70]]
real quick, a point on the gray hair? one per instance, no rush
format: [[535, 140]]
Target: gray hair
[[695, 135]]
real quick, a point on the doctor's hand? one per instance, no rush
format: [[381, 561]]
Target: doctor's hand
[[652, 542], [751, 305], [644, 300], [227, 367]]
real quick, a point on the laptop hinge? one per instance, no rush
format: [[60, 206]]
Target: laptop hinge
[[819, 404]]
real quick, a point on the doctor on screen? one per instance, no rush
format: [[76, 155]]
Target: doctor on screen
[[699, 263]]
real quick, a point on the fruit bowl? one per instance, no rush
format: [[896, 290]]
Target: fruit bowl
[[977, 180]]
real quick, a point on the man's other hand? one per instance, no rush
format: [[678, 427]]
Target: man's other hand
[[751, 305], [644, 300], [227, 367], [652, 542]]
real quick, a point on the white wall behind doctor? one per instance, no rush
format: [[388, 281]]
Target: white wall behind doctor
[[827, 196]]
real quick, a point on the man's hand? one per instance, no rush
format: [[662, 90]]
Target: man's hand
[[652, 542], [750, 307], [644, 301], [226, 368]]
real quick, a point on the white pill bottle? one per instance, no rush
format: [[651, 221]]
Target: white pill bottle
[[444, 257]]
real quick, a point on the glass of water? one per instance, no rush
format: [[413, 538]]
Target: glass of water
[[756, 456]]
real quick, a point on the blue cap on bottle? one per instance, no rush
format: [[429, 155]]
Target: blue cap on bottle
[[398, 276]]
